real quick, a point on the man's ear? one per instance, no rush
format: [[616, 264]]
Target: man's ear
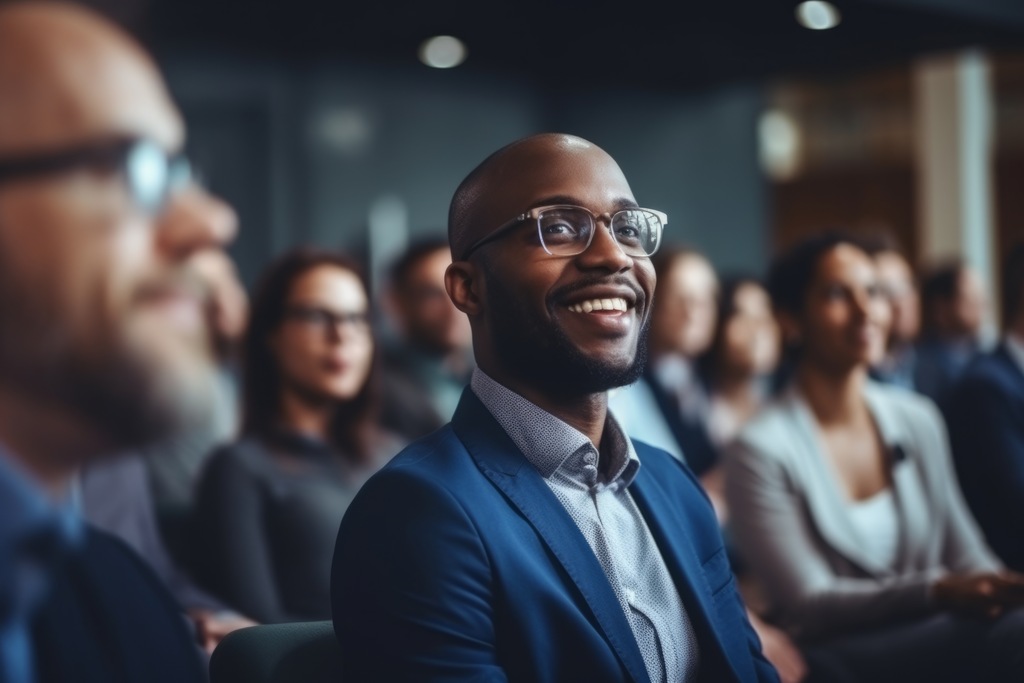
[[463, 283]]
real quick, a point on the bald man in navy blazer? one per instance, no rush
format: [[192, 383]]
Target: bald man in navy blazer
[[530, 540]]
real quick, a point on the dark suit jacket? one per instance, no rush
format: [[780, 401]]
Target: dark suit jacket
[[456, 562], [108, 619], [985, 415], [691, 435]]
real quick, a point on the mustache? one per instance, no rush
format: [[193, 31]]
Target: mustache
[[181, 282], [566, 291]]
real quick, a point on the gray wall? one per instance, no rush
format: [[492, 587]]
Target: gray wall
[[306, 154]]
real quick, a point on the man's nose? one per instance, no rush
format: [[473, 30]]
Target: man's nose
[[196, 220], [604, 251]]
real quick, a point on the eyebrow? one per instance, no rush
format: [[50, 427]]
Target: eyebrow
[[620, 204]]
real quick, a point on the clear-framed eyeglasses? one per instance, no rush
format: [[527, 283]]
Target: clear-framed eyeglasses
[[565, 230]]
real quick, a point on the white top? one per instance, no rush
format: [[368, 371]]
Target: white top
[[877, 524]]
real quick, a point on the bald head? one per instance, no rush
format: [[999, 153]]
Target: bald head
[[67, 75], [491, 194]]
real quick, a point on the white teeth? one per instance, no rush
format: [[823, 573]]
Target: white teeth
[[616, 304]]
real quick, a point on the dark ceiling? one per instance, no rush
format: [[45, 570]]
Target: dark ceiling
[[674, 46]]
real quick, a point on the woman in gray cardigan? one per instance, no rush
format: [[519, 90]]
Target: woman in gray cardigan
[[846, 508]]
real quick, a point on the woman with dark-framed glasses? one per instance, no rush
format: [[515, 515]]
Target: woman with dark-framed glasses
[[269, 505]]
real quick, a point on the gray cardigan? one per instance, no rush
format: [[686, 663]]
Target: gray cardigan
[[790, 520]]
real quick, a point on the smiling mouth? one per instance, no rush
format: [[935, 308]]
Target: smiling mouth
[[617, 304]]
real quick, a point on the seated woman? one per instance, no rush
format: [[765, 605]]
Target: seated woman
[[269, 506], [844, 505], [743, 354]]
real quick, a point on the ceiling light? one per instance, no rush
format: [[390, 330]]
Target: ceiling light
[[817, 15], [442, 52]]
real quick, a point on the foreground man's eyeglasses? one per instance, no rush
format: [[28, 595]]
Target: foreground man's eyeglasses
[[151, 174], [568, 230]]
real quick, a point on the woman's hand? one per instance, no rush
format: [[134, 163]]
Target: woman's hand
[[984, 596]]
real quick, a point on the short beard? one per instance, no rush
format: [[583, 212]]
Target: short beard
[[546, 358]]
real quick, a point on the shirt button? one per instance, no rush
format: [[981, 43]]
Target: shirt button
[[630, 595], [589, 458]]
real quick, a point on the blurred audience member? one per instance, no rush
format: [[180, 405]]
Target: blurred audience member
[[104, 341], [269, 506], [845, 506], [743, 354], [115, 497], [954, 307], [669, 406], [986, 426], [896, 278], [174, 464], [429, 364]]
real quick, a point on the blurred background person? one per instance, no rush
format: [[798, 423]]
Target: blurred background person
[[669, 406], [896, 278], [428, 363], [269, 506], [743, 354], [954, 307], [985, 415], [174, 465], [845, 506]]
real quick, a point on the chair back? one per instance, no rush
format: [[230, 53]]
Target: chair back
[[303, 652]]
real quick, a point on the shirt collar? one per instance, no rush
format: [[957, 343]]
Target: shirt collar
[[1015, 347], [27, 513], [549, 443]]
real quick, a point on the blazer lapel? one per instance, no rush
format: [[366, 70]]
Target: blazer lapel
[[668, 527], [501, 461]]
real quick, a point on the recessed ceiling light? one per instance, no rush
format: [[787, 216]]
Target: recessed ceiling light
[[817, 15], [442, 52]]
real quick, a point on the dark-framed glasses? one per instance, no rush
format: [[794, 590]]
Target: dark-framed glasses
[[325, 320], [151, 174], [565, 230]]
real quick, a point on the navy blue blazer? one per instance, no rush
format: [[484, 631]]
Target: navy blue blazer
[[985, 416], [456, 562], [108, 619]]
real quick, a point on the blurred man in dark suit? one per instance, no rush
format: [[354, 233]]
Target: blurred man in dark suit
[[954, 307], [104, 343], [428, 365], [985, 415]]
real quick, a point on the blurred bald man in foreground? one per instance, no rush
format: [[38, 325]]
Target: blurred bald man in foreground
[[104, 344]]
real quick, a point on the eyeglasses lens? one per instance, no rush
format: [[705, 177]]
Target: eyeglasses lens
[[637, 231], [153, 176]]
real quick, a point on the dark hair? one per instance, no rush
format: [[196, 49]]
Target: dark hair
[[416, 252], [731, 286], [353, 425], [1013, 285], [942, 281], [791, 272]]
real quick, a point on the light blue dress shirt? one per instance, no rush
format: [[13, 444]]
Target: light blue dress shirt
[[34, 533]]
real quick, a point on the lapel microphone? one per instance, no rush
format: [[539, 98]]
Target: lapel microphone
[[896, 454]]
